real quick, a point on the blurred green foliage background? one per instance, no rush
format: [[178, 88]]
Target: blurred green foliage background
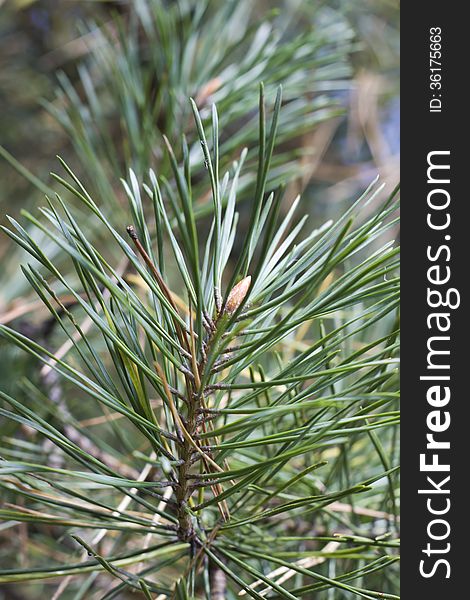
[[41, 38]]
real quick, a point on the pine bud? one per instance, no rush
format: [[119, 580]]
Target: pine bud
[[238, 293]]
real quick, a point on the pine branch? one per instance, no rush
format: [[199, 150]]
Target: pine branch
[[227, 419]]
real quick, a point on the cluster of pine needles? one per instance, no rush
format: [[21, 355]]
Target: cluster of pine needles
[[239, 398]]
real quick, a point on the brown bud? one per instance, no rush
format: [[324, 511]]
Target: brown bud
[[132, 232], [237, 294]]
